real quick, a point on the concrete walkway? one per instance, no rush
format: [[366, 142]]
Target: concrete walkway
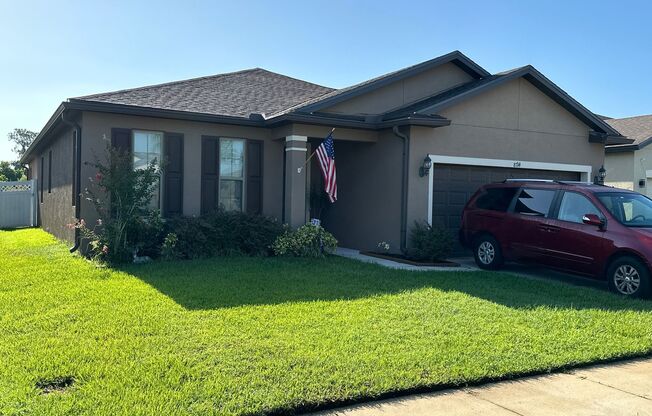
[[611, 390]]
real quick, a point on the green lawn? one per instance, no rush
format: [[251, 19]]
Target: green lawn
[[251, 336]]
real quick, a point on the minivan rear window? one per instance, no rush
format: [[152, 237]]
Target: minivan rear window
[[496, 199], [534, 202]]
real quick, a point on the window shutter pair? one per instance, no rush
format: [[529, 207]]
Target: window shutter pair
[[210, 175], [172, 179]]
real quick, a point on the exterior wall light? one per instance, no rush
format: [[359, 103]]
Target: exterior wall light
[[425, 168], [602, 173]]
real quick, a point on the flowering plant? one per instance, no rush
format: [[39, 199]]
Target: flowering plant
[[383, 246], [121, 196]]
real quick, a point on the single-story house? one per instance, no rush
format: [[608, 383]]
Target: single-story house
[[629, 166], [239, 139]]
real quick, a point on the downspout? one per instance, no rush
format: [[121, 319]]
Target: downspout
[[404, 184], [77, 130]]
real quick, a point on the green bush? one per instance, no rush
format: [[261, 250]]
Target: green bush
[[429, 243], [306, 241], [194, 238], [121, 196], [221, 233]]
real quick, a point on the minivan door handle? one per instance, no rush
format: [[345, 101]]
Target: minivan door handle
[[549, 228]]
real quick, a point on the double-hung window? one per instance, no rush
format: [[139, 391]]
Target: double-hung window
[[232, 174], [148, 148]]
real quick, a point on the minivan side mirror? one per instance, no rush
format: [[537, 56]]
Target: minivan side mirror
[[593, 219]]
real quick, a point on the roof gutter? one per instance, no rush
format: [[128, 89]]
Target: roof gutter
[[77, 162]]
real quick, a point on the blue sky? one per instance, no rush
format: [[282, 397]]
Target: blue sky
[[600, 53]]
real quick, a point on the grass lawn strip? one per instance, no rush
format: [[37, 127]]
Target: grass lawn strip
[[254, 336]]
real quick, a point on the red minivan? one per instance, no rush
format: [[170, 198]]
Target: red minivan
[[592, 230]]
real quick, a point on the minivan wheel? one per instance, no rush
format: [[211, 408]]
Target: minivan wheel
[[628, 276], [487, 253]]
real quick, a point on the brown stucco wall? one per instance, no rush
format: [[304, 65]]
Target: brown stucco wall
[[368, 209], [514, 122], [56, 209], [97, 127], [404, 92], [621, 170]]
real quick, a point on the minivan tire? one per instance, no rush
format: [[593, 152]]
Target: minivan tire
[[487, 253], [628, 276]]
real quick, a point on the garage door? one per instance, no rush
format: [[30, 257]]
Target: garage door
[[454, 184]]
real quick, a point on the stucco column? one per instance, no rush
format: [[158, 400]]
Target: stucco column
[[295, 180]]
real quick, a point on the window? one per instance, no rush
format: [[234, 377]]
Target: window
[[534, 202], [496, 199], [148, 149], [575, 206], [50, 172], [630, 209], [232, 174]]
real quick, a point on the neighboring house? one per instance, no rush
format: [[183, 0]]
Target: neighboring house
[[239, 139], [629, 166]]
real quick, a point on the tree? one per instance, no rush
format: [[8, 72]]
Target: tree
[[21, 138], [11, 171]]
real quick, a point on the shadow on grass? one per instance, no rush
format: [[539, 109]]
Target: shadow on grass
[[232, 282]]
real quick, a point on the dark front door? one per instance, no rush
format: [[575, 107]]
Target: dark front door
[[453, 185]]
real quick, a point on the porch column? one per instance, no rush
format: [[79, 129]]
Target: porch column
[[295, 180]]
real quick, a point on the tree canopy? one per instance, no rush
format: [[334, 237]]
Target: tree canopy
[[22, 139]]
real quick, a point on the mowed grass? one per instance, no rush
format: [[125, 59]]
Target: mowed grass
[[256, 336]]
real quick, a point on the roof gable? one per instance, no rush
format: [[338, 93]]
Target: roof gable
[[338, 96], [439, 102]]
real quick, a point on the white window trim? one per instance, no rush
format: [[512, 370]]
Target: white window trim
[[161, 190], [243, 208], [584, 170]]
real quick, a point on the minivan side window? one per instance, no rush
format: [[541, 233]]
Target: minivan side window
[[496, 199], [574, 206], [534, 202]]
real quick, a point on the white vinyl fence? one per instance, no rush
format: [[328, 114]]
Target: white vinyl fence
[[18, 204]]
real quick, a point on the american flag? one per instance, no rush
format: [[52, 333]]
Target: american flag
[[326, 156]]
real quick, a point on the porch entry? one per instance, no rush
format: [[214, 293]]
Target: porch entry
[[453, 180], [18, 204]]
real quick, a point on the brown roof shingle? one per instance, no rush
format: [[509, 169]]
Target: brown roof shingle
[[236, 94], [638, 128]]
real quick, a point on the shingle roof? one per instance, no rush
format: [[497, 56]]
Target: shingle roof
[[237, 94], [638, 128]]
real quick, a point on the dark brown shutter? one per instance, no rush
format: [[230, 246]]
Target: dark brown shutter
[[121, 139], [173, 175], [210, 173], [254, 181]]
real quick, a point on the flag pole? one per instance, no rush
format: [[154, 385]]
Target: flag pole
[[312, 154]]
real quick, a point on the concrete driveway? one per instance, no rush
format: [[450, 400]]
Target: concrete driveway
[[537, 272], [609, 390]]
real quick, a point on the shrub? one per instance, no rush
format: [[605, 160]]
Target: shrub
[[121, 196], [194, 237], [429, 243], [306, 241], [223, 233]]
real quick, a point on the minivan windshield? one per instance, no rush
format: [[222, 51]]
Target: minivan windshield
[[630, 209]]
